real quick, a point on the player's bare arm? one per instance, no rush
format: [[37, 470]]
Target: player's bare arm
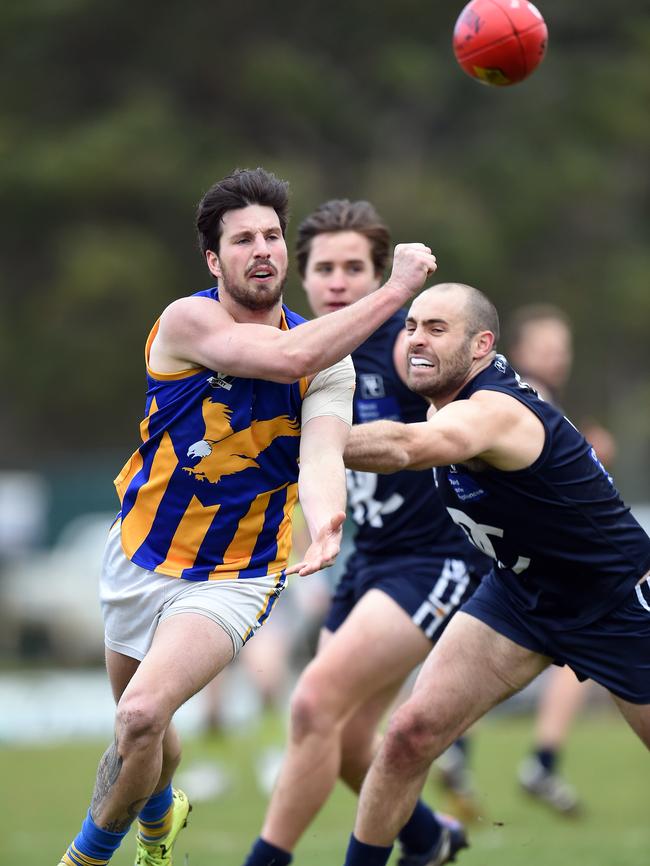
[[322, 490], [490, 426], [197, 331]]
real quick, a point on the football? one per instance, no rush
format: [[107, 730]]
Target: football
[[500, 42]]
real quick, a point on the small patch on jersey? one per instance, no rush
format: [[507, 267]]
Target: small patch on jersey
[[465, 487], [371, 386], [221, 381], [386, 408]]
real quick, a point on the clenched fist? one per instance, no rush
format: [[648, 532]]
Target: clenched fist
[[412, 264]]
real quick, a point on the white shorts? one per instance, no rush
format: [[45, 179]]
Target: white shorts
[[134, 601]]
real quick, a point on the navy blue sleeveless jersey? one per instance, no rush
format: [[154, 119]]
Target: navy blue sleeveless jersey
[[564, 542], [402, 513]]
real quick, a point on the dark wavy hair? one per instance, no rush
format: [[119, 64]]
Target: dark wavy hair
[[241, 188]]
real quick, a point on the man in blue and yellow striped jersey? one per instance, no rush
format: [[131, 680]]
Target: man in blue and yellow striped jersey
[[247, 408]]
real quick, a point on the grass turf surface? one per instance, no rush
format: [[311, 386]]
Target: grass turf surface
[[46, 790]]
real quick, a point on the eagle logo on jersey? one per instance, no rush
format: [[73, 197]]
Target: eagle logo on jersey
[[232, 451]]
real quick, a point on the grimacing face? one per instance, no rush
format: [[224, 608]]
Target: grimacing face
[[252, 262], [439, 351], [339, 271]]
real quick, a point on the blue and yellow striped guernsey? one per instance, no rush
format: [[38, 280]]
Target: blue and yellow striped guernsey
[[210, 492]]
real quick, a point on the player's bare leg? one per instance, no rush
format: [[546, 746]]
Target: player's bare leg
[[360, 738], [121, 669], [563, 696], [375, 649], [470, 670], [187, 652], [638, 718]]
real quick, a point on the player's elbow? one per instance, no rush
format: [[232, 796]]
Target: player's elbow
[[283, 376], [286, 364], [417, 451], [299, 361]]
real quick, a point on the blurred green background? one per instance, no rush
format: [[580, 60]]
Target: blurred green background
[[116, 116], [55, 786]]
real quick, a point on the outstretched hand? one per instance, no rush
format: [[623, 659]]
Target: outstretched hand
[[323, 550]]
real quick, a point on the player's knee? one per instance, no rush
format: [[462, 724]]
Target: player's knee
[[138, 719], [412, 739]]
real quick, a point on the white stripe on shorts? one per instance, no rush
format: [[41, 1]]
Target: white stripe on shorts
[[435, 611], [639, 591]]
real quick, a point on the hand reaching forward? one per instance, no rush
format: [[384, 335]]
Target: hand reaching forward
[[324, 548]]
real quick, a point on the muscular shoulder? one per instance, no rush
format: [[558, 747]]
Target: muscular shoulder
[[193, 312], [185, 323], [498, 402]]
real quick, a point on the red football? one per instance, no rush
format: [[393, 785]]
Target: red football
[[500, 42]]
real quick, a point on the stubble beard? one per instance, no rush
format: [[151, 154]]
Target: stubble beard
[[450, 376], [255, 298]]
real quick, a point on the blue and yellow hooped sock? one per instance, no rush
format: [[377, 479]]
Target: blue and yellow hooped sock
[[155, 819], [93, 846]]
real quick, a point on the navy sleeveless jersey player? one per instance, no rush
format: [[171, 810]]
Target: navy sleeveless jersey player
[[405, 543], [565, 544], [570, 582], [570, 558]]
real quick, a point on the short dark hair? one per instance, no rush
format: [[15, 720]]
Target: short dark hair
[[243, 187], [480, 312], [531, 314], [342, 215]]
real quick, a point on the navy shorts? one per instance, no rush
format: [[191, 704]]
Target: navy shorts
[[613, 651], [429, 588]]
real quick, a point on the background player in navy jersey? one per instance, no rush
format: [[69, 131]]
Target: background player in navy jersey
[[246, 406], [540, 348], [410, 569], [570, 579]]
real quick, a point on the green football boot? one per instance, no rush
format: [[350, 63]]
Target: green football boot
[[161, 854]]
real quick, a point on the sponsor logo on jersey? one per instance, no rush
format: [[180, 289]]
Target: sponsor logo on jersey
[[221, 381], [371, 386], [464, 486]]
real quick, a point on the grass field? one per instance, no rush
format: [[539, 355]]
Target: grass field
[[45, 792]]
